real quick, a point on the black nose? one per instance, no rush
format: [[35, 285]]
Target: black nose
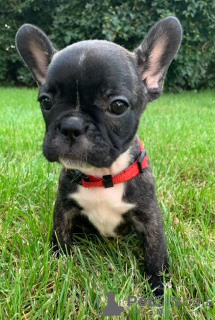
[[72, 128]]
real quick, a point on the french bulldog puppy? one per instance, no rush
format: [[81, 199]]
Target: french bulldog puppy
[[92, 95]]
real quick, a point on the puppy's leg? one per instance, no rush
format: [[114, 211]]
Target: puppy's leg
[[149, 227], [62, 227]]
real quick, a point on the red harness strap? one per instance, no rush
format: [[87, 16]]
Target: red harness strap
[[108, 181], [123, 176]]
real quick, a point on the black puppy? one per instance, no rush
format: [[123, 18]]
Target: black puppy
[[92, 94]]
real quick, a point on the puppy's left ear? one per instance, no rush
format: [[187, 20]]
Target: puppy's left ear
[[156, 52]]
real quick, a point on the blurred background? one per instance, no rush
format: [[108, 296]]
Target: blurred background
[[124, 22]]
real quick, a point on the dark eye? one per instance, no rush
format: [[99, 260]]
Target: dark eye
[[117, 107], [45, 103]]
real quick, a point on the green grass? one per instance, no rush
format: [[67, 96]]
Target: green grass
[[178, 133]]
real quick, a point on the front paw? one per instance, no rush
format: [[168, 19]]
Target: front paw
[[156, 285], [58, 248]]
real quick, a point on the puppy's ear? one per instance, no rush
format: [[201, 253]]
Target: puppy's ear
[[35, 49], [156, 52]]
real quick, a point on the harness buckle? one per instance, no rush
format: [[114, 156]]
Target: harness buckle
[[107, 181], [139, 162]]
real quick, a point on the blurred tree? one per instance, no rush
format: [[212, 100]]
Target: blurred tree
[[124, 22]]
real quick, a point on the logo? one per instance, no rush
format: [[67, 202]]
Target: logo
[[112, 308]]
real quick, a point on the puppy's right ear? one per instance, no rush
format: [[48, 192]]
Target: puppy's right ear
[[36, 50]]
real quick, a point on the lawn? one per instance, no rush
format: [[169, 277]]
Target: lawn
[[178, 131]]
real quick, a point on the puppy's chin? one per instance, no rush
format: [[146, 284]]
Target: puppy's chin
[[75, 164], [116, 167]]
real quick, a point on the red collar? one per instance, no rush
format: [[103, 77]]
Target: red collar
[[108, 181]]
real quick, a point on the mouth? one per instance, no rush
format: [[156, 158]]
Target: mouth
[[83, 155], [70, 161]]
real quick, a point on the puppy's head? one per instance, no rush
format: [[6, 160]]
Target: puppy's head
[[92, 93]]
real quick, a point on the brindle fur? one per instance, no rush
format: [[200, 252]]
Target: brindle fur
[[81, 81]]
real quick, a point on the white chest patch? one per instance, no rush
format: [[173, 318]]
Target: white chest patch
[[104, 207]]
